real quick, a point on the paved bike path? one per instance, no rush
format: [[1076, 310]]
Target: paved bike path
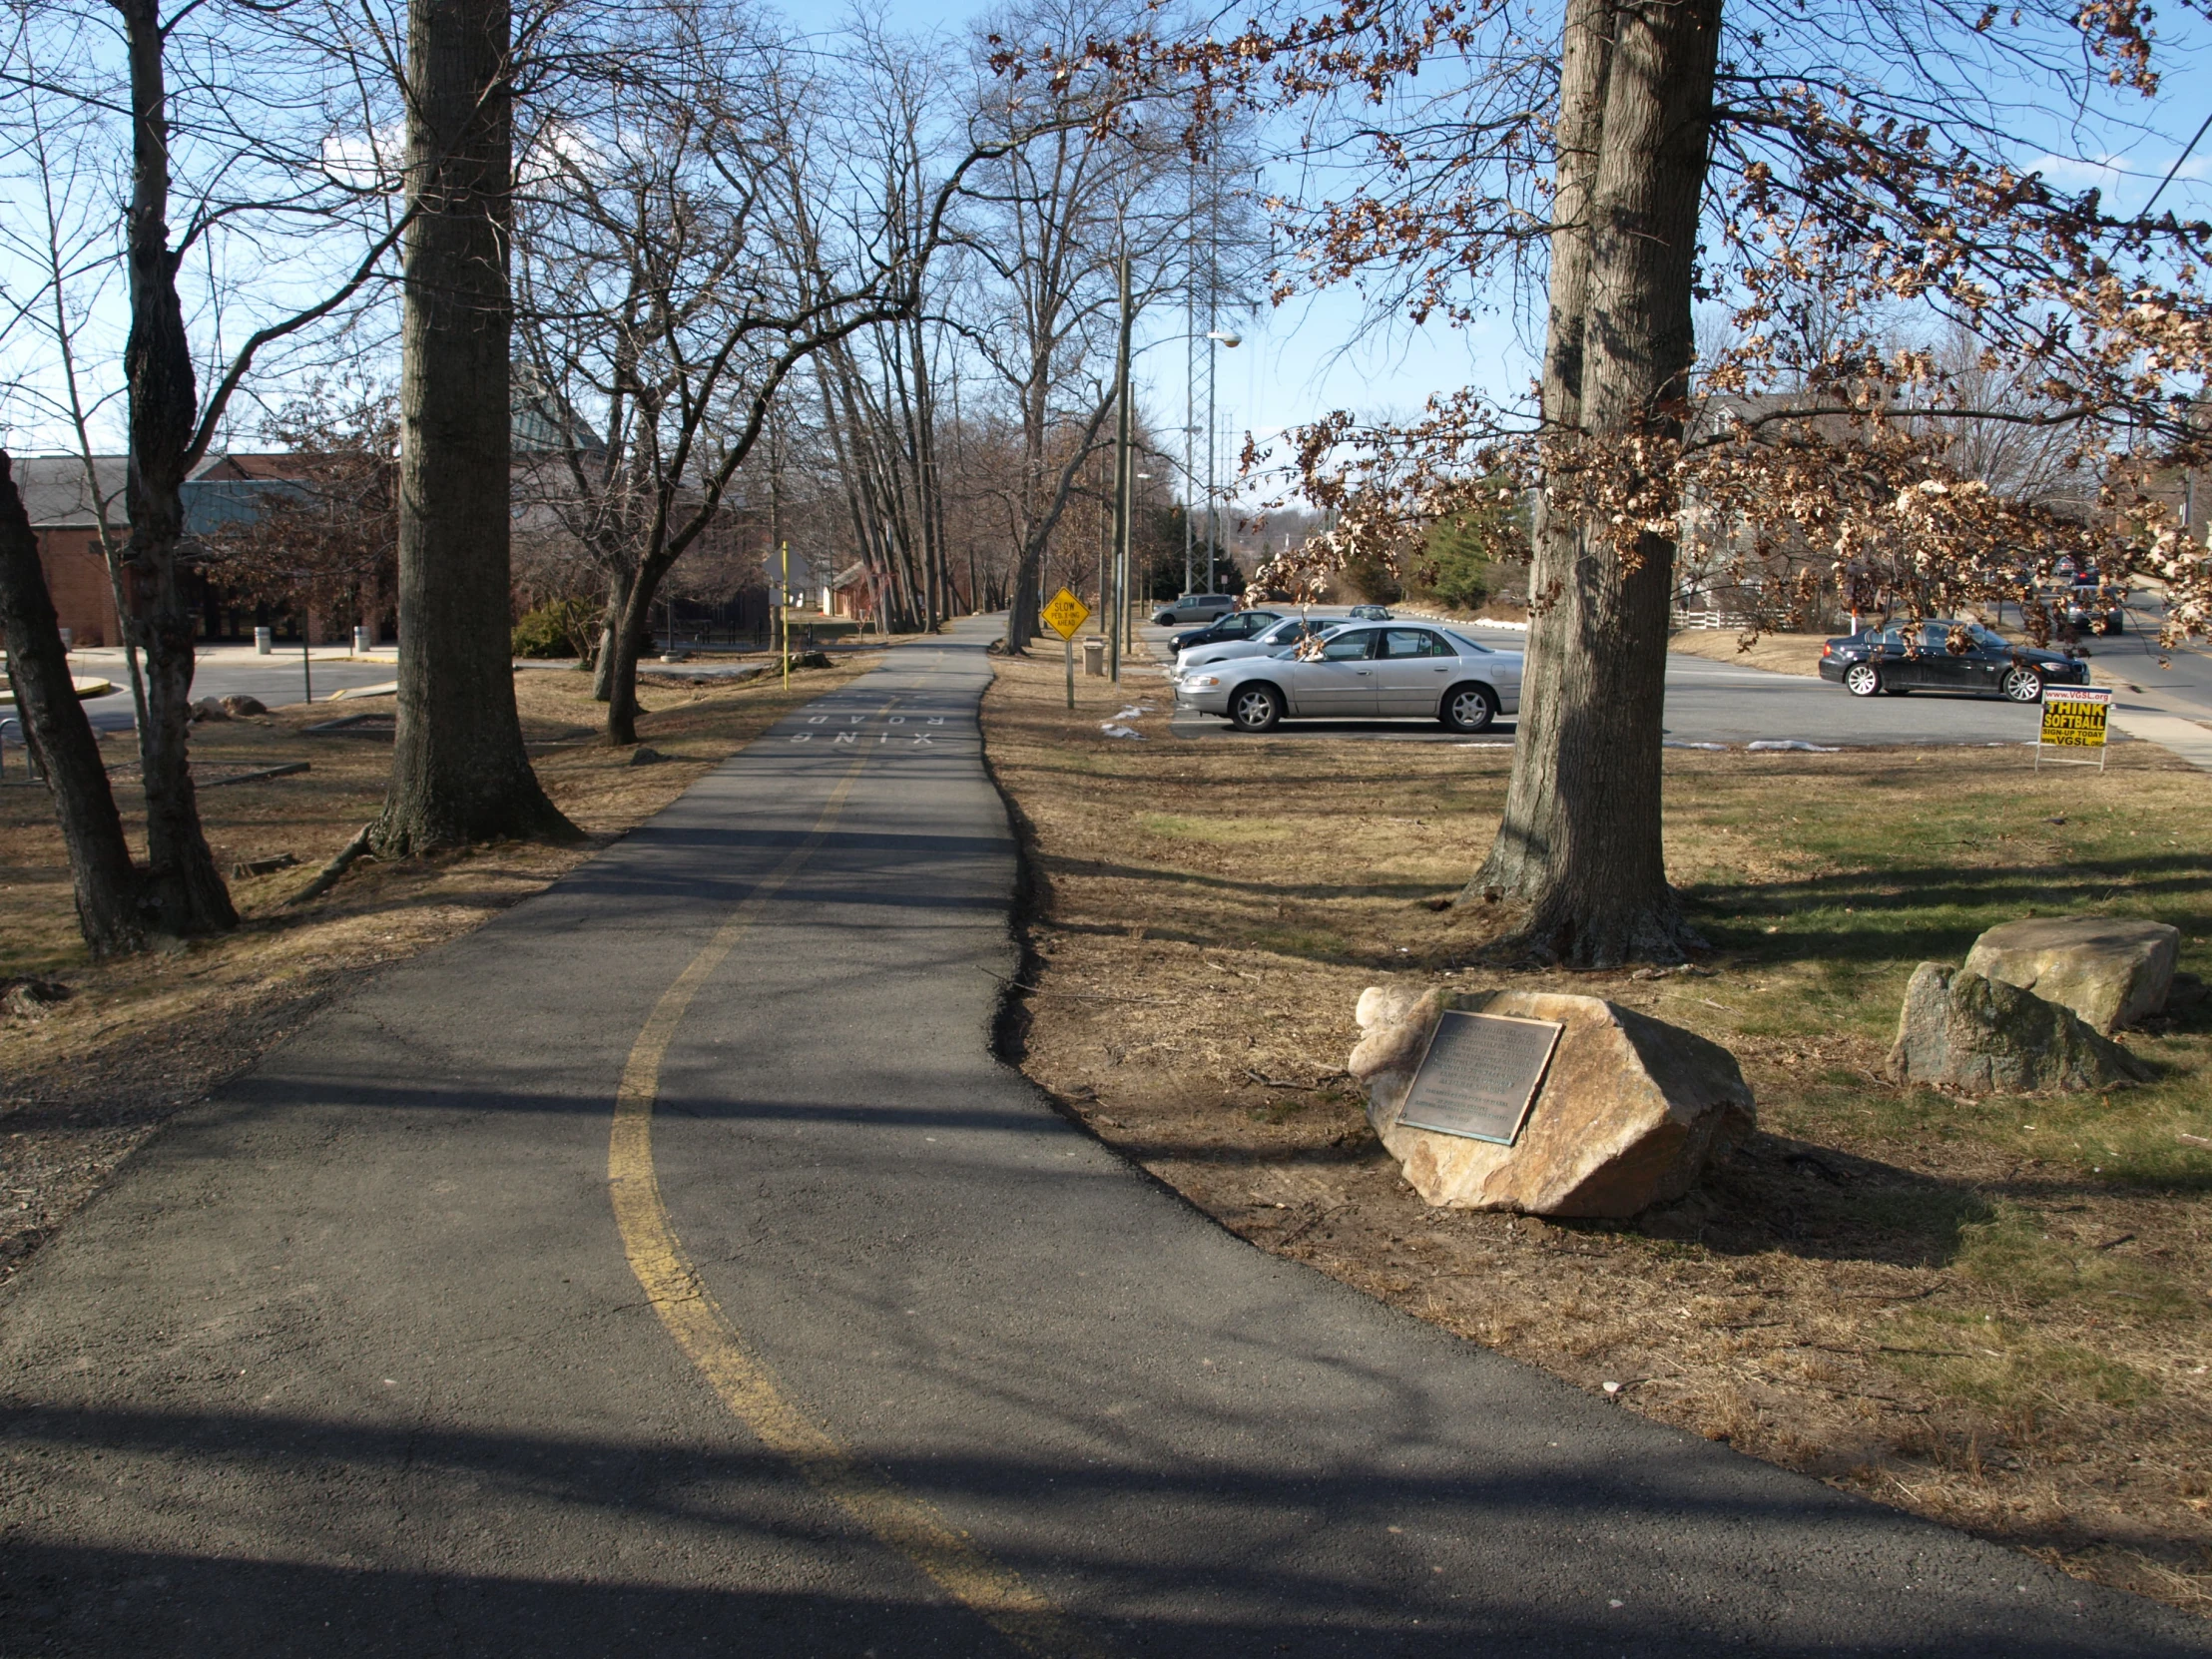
[[356, 1360]]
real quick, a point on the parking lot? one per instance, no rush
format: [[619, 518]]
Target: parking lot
[[1707, 702]]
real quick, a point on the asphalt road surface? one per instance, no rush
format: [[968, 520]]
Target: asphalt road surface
[[277, 680], [669, 1268]]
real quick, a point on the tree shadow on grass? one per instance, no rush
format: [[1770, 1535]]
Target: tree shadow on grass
[[1921, 913], [1818, 1204]]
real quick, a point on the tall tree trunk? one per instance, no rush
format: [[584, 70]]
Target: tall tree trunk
[[108, 886], [459, 769], [1024, 602], [629, 629], [183, 882], [618, 602], [1578, 848]]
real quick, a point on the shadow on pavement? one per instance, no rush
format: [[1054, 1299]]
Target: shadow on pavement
[[1316, 1553]]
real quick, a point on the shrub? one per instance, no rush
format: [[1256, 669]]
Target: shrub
[[561, 629], [1459, 560], [1454, 568]]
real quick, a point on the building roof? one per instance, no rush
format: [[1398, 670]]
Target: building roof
[[231, 466], [217, 503], [56, 496]]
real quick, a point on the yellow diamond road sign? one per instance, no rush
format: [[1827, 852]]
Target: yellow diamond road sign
[[1065, 614]]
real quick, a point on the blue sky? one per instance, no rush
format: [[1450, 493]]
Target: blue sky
[[1310, 356], [1298, 362]]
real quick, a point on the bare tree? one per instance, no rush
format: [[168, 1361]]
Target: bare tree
[[703, 233], [249, 122], [321, 542], [1046, 226]]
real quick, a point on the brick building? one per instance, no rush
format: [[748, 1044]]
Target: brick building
[[65, 515]]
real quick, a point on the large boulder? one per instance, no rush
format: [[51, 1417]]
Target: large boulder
[[1628, 1113], [2110, 971], [1965, 1031]]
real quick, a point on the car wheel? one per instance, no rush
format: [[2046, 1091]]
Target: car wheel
[[1468, 708], [2023, 684], [1256, 708], [1163, 619], [1861, 678]]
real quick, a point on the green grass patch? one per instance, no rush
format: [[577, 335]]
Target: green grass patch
[[2007, 1367], [1221, 829], [1316, 943], [2037, 1258]]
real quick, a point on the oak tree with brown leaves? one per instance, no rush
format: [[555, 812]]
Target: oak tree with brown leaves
[[1633, 160]]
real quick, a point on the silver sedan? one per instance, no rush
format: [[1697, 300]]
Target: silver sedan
[[1363, 673], [1280, 635]]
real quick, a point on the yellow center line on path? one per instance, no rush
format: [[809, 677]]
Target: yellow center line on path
[[747, 1388]]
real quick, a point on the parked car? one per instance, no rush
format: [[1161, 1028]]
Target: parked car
[[1280, 636], [1237, 624], [2091, 608], [1370, 613], [1361, 673], [1876, 660], [1194, 607]]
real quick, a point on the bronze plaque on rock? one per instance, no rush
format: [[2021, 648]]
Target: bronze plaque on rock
[[1480, 1075]]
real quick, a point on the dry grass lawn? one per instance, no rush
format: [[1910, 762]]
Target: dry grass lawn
[[1781, 653], [1989, 1312], [138, 1039]]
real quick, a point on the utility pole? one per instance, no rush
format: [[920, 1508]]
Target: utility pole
[[1124, 482], [1213, 341], [1190, 377], [784, 613]]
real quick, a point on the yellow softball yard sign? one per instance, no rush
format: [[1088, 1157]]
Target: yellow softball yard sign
[[2074, 717]]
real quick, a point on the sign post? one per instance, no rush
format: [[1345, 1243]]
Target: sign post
[[1065, 615], [2074, 717]]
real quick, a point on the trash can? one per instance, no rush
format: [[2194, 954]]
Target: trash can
[[1094, 658], [264, 640], [364, 641]]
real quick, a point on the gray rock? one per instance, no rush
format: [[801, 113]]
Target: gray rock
[[240, 707], [2110, 971], [643, 756], [1965, 1031], [1629, 1112]]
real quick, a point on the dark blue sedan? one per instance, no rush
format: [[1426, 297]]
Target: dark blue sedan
[[1239, 625], [1894, 660]]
